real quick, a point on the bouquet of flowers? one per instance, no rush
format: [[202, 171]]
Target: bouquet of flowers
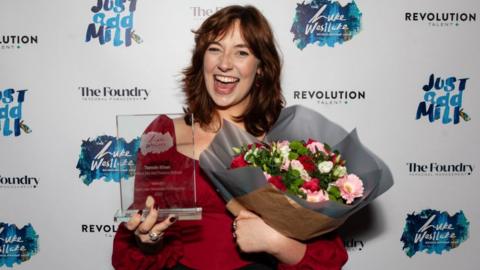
[[299, 186], [310, 170]]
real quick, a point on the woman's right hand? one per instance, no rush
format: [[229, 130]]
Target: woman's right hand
[[149, 233]]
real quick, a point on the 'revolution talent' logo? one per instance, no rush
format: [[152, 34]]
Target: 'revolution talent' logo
[[18, 181], [107, 158], [108, 93], [433, 231], [112, 21], [17, 245], [11, 103], [442, 100], [440, 169], [334, 97], [441, 19], [8, 42], [325, 22], [108, 230]]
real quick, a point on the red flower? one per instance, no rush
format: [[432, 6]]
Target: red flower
[[277, 182], [238, 162], [312, 185], [307, 163]]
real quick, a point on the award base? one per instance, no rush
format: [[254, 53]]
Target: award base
[[180, 213]]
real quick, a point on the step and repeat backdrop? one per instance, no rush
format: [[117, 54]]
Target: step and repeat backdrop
[[405, 74]]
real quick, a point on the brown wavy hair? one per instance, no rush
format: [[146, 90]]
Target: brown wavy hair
[[266, 99]]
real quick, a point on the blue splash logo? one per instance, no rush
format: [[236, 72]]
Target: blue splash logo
[[17, 245], [325, 22], [434, 231], [11, 103], [107, 158], [112, 21], [443, 100]]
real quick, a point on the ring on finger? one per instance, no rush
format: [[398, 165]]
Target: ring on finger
[[154, 236], [234, 225]]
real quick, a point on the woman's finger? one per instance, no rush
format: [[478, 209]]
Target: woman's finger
[[245, 214], [151, 218], [134, 221], [160, 228]]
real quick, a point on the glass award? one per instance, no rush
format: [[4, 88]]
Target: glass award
[[161, 165]]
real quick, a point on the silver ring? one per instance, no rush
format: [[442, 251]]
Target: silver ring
[[153, 236], [234, 225]]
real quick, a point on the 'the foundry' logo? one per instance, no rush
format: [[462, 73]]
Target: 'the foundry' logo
[[440, 169], [325, 22], [17, 245], [24, 181], [108, 93], [107, 158], [434, 231]]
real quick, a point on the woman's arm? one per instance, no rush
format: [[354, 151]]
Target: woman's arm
[[323, 253]]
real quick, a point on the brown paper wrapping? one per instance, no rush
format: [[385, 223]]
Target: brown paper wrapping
[[284, 214]]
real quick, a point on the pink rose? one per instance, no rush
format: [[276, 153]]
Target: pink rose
[[285, 164], [276, 181], [351, 187], [315, 146], [316, 196], [312, 185], [238, 162]]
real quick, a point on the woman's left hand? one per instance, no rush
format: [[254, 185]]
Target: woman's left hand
[[253, 234]]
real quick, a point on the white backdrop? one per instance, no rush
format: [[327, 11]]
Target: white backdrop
[[388, 62]]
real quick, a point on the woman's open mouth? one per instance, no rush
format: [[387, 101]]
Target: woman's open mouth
[[224, 85]]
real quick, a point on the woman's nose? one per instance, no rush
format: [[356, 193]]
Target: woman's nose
[[225, 63]]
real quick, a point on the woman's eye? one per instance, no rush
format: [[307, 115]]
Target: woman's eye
[[213, 49], [243, 53]]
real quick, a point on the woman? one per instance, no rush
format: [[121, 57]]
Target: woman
[[234, 75]]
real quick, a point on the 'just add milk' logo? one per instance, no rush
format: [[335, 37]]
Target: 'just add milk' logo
[[325, 22], [17, 245], [112, 21], [107, 158], [11, 104], [442, 100], [434, 231]]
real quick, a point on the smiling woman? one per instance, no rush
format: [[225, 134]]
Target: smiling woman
[[234, 75], [236, 60]]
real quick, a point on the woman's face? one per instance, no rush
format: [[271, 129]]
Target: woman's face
[[229, 68]]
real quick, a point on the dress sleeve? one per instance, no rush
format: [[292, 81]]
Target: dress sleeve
[[127, 255], [324, 253]]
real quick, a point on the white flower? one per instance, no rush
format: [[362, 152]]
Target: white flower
[[284, 149], [339, 171], [297, 165], [325, 166]]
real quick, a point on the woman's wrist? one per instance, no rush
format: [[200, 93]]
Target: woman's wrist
[[287, 250]]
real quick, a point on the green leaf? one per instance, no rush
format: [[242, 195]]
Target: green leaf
[[292, 156]]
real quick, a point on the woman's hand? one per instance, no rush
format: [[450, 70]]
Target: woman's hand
[[149, 233], [254, 235]]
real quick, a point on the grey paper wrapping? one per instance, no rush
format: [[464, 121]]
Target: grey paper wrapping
[[288, 214]]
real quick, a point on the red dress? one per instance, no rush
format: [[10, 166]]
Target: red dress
[[208, 243]]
